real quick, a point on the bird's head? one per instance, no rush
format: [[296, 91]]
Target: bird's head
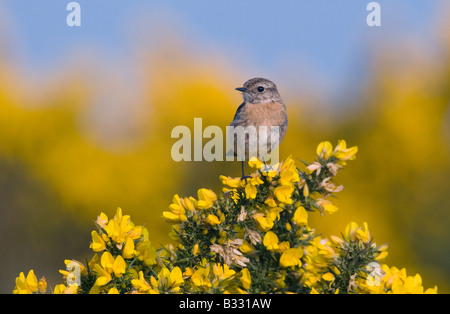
[[259, 90]]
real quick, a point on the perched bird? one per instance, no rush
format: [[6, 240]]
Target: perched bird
[[260, 122]]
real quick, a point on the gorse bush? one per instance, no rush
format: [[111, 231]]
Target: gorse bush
[[253, 238]]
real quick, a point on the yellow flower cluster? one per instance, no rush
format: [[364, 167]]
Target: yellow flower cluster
[[392, 281], [29, 284], [254, 238]]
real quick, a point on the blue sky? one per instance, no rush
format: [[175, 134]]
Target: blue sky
[[329, 36]]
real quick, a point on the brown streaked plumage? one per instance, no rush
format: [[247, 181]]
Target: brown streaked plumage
[[262, 106]]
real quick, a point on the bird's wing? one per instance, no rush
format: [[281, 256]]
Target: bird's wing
[[238, 120], [238, 116]]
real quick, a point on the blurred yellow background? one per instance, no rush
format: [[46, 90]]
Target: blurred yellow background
[[76, 141]]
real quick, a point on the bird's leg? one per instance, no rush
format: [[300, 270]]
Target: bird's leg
[[243, 173], [265, 164]]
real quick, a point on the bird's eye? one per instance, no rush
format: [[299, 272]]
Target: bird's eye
[[260, 89]]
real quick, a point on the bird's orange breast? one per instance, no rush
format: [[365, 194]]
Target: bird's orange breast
[[269, 114]]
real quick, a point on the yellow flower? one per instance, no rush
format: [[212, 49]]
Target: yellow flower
[[300, 216], [291, 257], [62, 289], [246, 248], [256, 180], [274, 213], [283, 193], [431, 290], [206, 198], [341, 146], [174, 232], [118, 228], [102, 220], [305, 190], [399, 283], [396, 281], [142, 286], [288, 172], [177, 211], [223, 272], [280, 281], [410, 284], [343, 153], [325, 150], [212, 220], [26, 285], [94, 260], [336, 240], [250, 191], [107, 261], [103, 277], [250, 187], [288, 165], [195, 249], [119, 266], [383, 253], [73, 269], [97, 244], [188, 204], [255, 163], [321, 247], [270, 172], [128, 249], [146, 252], [283, 246], [135, 233], [270, 241], [231, 182], [265, 222], [200, 278], [363, 233], [270, 202], [245, 278], [107, 266], [354, 232], [42, 285], [59, 289], [327, 206], [328, 276], [170, 280]]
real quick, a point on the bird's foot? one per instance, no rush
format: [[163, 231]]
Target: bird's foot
[[245, 178], [266, 167]]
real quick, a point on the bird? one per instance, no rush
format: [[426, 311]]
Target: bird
[[260, 122]]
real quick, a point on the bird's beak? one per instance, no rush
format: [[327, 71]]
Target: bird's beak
[[241, 89]]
